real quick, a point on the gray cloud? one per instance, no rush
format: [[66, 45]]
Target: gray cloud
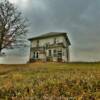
[[80, 18]]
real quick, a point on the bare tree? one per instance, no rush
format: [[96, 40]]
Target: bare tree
[[13, 25]]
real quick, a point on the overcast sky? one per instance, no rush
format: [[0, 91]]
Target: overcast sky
[[80, 18]]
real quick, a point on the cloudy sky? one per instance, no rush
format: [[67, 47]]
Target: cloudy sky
[[80, 18]]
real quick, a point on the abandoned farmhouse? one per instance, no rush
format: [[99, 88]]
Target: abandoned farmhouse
[[53, 46]]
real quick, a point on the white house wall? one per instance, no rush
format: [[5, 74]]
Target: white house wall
[[42, 57], [34, 43], [50, 40], [64, 56], [31, 53]]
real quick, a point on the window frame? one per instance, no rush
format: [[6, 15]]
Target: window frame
[[55, 53]]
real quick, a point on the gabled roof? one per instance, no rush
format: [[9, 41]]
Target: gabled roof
[[50, 34]]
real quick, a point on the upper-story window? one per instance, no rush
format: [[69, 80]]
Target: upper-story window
[[55, 40], [37, 43]]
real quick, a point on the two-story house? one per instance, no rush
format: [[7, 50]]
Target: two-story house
[[53, 46]]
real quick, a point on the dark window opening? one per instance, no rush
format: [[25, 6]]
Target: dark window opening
[[50, 53], [33, 55], [55, 40], [37, 55]]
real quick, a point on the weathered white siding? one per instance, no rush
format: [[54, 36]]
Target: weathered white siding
[[50, 40], [34, 43], [64, 57]]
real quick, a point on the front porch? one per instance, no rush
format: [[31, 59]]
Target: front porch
[[52, 52]]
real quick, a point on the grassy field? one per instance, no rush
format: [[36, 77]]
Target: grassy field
[[50, 81]]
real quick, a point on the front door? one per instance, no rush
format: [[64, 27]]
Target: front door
[[35, 55], [59, 56]]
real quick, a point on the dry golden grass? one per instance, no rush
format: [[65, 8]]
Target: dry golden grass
[[50, 81]]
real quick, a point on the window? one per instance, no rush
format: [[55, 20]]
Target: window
[[34, 55], [63, 53], [46, 45], [54, 53], [55, 40], [37, 55], [37, 43], [50, 53]]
